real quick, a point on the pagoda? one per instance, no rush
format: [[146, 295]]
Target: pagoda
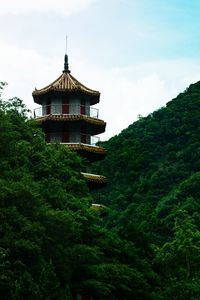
[[67, 116]]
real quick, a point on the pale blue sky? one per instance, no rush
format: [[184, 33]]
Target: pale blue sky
[[138, 53]]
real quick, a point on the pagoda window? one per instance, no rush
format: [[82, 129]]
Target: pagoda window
[[48, 137], [82, 107], [83, 135], [48, 106], [65, 106], [55, 137], [65, 134], [83, 138]]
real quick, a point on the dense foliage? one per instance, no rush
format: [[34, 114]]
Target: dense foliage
[[52, 244], [147, 246], [153, 169]]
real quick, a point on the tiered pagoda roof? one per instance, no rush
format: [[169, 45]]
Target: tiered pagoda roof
[[68, 84]]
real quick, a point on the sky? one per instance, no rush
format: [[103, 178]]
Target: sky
[[139, 54]]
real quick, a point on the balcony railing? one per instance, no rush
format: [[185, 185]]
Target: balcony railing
[[65, 109], [66, 138]]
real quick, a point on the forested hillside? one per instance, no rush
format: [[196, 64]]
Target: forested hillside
[[147, 244], [153, 170], [52, 244]]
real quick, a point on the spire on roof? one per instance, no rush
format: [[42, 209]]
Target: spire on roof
[[66, 64]]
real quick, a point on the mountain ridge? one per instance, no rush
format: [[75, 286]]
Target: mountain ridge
[[152, 157]]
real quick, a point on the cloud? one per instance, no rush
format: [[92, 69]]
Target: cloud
[[24, 69], [140, 89], [127, 92], [66, 7]]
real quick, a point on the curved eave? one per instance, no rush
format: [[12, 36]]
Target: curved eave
[[66, 83], [95, 181], [98, 126], [92, 153], [94, 98], [100, 208]]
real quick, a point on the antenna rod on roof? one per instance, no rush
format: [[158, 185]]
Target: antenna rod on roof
[[66, 45], [66, 65]]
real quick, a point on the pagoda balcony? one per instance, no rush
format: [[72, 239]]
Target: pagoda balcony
[[86, 139], [71, 138], [85, 144], [65, 109]]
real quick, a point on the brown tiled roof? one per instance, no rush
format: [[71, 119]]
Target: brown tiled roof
[[66, 83], [96, 126], [90, 152], [93, 178], [71, 118], [88, 148], [97, 207]]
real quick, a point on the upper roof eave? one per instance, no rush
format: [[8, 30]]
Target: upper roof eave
[[66, 83]]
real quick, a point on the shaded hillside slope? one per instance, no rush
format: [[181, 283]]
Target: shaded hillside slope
[[153, 167]]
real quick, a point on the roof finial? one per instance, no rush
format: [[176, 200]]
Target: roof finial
[[66, 45], [66, 65]]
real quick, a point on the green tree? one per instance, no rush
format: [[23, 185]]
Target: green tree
[[53, 245], [179, 261]]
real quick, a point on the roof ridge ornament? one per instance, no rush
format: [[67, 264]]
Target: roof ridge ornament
[[66, 64]]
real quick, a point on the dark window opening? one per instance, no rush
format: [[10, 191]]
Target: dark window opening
[[65, 105], [82, 108], [48, 106]]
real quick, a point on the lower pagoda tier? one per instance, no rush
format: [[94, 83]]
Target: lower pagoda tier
[[90, 152], [94, 125], [95, 181], [101, 209]]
